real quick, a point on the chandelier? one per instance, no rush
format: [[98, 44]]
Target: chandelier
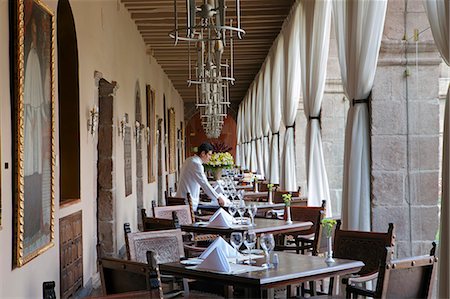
[[210, 66]]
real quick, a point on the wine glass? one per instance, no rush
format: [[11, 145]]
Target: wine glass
[[241, 211], [232, 209], [267, 243], [252, 211], [250, 242], [236, 240]]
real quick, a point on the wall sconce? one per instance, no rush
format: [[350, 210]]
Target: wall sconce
[[122, 125], [137, 131], [93, 120]]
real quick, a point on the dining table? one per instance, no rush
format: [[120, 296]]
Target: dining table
[[291, 269], [262, 225]]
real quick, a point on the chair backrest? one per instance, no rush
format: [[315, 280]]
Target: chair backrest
[[183, 213], [368, 247], [178, 201], [121, 276], [152, 223], [408, 277], [313, 214], [278, 195], [166, 244]]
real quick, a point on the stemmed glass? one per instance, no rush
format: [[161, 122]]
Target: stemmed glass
[[232, 209], [236, 240], [250, 242], [267, 243], [252, 211], [241, 211]]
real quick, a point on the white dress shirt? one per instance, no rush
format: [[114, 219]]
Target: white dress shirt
[[193, 177]]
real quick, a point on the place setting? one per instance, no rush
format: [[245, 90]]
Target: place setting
[[225, 258]]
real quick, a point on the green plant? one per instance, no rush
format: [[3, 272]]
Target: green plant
[[270, 187], [222, 160], [328, 225], [287, 199]]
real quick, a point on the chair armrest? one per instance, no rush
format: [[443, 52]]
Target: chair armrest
[[359, 279]]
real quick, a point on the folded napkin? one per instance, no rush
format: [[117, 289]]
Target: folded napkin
[[221, 218], [223, 245], [215, 261]]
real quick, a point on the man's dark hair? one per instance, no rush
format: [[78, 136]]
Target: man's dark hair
[[205, 147]]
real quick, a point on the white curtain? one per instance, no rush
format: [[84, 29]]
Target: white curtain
[[438, 12], [315, 18], [290, 101], [253, 159], [248, 132], [237, 161], [277, 94], [359, 27], [258, 123], [265, 116]]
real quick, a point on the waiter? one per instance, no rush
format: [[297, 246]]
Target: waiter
[[193, 177]]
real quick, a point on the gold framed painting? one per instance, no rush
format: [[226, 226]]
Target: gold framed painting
[[172, 141], [33, 107], [151, 132]]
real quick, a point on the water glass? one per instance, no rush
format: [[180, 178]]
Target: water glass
[[267, 243], [236, 240], [250, 242], [252, 209], [232, 209], [241, 210]]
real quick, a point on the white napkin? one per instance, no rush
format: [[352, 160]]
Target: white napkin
[[216, 261], [226, 248], [221, 218]]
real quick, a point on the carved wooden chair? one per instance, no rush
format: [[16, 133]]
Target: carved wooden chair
[[153, 223], [167, 246], [130, 279], [307, 240], [368, 247], [402, 278], [278, 195]]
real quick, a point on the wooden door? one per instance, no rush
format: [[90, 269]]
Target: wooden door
[[71, 254]]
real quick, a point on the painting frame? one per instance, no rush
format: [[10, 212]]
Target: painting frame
[[33, 114], [150, 104], [172, 140]]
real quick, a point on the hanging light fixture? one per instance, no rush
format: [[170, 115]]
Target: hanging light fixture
[[209, 70]]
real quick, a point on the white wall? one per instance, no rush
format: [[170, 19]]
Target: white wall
[[108, 42]]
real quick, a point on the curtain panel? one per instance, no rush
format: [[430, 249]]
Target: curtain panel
[[438, 12], [265, 117], [314, 42], [253, 157], [258, 123], [237, 159], [359, 27], [277, 93], [290, 101]]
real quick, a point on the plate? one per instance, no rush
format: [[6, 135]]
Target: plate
[[191, 262], [253, 251]]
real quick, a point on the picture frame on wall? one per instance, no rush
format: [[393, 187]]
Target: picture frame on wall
[[150, 101], [33, 106]]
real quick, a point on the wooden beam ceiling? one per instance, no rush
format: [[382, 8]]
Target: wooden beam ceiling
[[261, 19]]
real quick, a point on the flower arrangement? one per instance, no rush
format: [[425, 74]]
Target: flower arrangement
[[220, 160], [270, 187], [328, 225], [287, 199]]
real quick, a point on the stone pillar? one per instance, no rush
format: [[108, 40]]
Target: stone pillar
[[105, 169], [140, 139], [405, 133]]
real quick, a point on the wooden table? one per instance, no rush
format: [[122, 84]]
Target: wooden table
[[292, 269], [251, 195], [263, 225]]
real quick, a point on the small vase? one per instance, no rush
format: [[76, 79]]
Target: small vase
[[256, 186], [270, 198], [288, 216], [329, 258]]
